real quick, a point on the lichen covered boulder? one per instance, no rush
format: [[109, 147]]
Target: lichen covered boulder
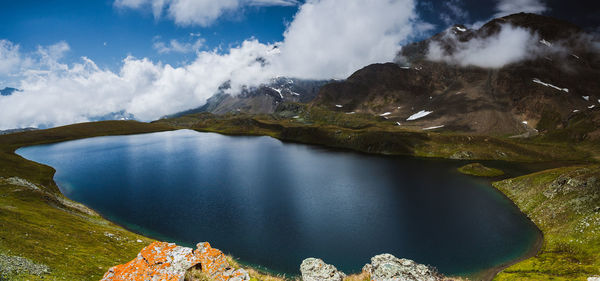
[[313, 269], [169, 262], [386, 267]]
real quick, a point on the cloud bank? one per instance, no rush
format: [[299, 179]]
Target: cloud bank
[[327, 39]]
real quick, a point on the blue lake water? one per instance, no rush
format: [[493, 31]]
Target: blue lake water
[[273, 204]]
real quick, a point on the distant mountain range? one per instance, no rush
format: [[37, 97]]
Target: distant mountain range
[[8, 91], [545, 93], [260, 100]]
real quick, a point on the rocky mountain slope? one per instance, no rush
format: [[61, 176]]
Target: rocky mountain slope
[[7, 91], [260, 100], [436, 84]]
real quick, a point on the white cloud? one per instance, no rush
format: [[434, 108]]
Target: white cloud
[[196, 12], [177, 47], [333, 38], [148, 90], [10, 57], [507, 7], [510, 45], [327, 39]]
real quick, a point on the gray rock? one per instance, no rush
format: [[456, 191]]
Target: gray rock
[[14, 265], [386, 267], [313, 269], [462, 155]]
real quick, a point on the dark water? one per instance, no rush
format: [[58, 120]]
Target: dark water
[[273, 204]]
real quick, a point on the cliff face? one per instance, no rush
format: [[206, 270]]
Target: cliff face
[[169, 262]]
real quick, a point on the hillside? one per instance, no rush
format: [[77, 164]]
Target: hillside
[[260, 100], [435, 83]]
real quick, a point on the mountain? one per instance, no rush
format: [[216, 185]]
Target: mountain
[[556, 87], [8, 91], [262, 99]]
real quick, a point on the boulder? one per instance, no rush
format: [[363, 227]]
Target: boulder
[[386, 267], [169, 262], [313, 269]]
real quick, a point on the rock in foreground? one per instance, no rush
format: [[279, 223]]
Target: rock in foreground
[[386, 267], [313, 269], [169, 262]]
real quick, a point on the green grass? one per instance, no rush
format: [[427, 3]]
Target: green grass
[[48, 229], [565, 204], [76, 244], [366, 133], [478, 170]]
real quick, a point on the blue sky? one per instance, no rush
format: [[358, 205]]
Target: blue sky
[[77, 60], [87, 25]]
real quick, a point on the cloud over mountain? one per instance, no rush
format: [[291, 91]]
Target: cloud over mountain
[[323, 41]]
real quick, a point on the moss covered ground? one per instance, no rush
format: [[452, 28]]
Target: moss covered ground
[[479, 170], [565, 205]]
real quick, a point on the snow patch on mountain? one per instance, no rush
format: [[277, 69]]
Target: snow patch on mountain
[[418, 115]]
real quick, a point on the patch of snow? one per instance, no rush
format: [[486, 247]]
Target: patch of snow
[[385, 114], [405, 67], [576, 110], [575, 56], [536, 80], [433, 128], [350, 112], [278, 91], [398, 123], [591, 106], [587, 98], [461, 29], [399, 107], [525, 122], [546, 43], [339, 106], [296, 117], [295, 94], [386, 118], [418, 115]]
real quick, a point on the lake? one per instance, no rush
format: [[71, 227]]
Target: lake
[[274, 204]]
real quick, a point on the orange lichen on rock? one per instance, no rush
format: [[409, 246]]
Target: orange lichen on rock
[[169, 262]]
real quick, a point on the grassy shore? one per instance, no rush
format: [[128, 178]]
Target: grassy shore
[[42, 229], [565, 204], [363, 133], [58, 239]]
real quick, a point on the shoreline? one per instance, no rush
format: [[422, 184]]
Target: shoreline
[[33, 170], [487, 274]]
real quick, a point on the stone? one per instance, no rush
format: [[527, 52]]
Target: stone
[[169, 262], [462, 155], [314, 269], [386, 267], [594, 278]]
